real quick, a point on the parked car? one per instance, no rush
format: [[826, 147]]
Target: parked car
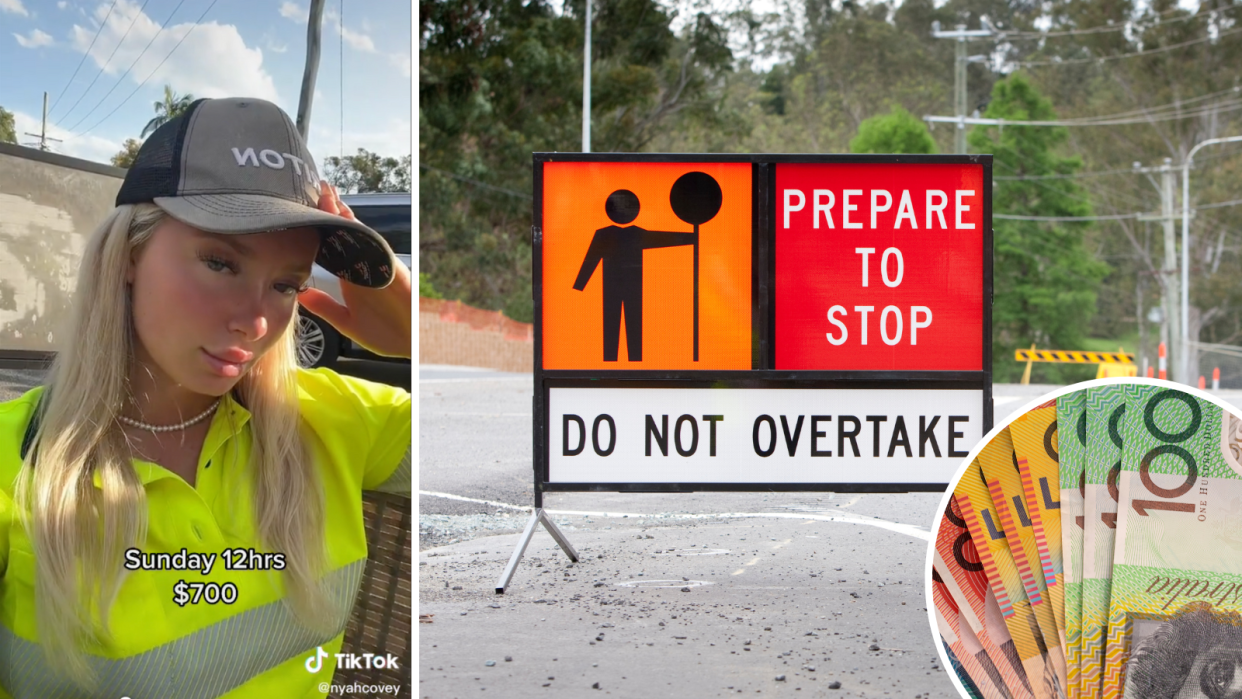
[[390, 215]]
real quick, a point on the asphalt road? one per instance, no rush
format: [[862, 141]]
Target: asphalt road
[[695, 595], [701, 594]]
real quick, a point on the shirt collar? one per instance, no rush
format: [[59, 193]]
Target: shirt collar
[[227, 422]]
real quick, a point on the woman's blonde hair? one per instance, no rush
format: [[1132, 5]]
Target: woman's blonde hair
[[71, 523]]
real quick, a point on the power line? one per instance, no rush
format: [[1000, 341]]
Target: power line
[[1132, 22], [1219, 205], [476, 183], [127, 70], [104, 67], [84, 55], [1115, 217], [1226, 106], [1019, 217], [1074, 176], [1101, 59], [157, 68]]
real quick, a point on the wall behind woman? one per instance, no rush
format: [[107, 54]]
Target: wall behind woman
[[49, 203]]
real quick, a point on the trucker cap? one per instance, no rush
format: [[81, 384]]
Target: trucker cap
[[238, 166]]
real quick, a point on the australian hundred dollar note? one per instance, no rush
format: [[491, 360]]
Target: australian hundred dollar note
[[1177, 572], [1072, 415], [1107, 406]]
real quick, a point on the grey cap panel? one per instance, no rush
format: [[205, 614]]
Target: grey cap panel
[[239, 145]]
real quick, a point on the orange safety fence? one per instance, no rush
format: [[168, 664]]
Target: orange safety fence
[[450, 332], [477, 318]]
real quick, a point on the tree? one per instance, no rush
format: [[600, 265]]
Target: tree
[[895, 132], [129, 151], [8, 129], [368, 172], [1045, 282], [499, 79], [167, 109], [425, 289]]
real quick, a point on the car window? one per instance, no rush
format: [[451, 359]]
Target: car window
[[392, 222]]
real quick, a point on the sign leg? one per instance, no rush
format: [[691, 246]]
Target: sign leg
[[558, 536], [536, 518], [527, 533]]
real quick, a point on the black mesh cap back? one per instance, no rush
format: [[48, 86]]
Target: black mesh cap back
[[156, 171]]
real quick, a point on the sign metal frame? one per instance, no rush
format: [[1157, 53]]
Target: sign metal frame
[[763, 326]]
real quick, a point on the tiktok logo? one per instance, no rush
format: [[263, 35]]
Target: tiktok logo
[[351, 661], [315, 662]]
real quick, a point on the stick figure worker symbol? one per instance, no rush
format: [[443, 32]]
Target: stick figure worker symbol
[[695, 198]]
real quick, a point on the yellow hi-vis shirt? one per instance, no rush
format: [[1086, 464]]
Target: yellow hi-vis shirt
[[249, 649]]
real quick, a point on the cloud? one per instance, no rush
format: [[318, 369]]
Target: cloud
[[401, 61], [389, 140], [36, 39], [62, 5], [212, 61], [289, 10], [88, 147], [277, 49], [14, 7], [358, 41]]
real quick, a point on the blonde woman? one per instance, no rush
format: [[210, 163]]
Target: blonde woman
[[180, 504]]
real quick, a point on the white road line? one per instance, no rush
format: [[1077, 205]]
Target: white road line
[[907, 529]]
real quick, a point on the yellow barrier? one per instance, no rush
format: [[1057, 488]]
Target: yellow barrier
[[1119, 363]]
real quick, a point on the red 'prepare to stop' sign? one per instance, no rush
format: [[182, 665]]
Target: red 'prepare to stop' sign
[[879, 267]]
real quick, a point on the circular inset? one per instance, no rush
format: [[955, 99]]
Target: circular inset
[[1047, 540]]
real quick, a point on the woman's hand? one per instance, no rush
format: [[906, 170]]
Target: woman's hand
[[380, 320]]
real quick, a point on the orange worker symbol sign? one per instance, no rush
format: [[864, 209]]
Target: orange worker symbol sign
[[646, 265]]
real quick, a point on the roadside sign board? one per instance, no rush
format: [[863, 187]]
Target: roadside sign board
[[759, 322], [890, 255]]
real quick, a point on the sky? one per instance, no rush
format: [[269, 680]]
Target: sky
[[129, 50]]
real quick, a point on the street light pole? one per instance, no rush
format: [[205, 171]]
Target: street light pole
[[586, 84], [1186, 248]]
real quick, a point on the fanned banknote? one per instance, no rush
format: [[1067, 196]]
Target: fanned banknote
[[961, 572], [1106, 406], [1000, 473], [965, 645], [976, 505], [1035, 444], [967, 683], [1071, 412], [1177, 571]]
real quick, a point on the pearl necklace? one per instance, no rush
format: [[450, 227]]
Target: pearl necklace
[[170, 428]]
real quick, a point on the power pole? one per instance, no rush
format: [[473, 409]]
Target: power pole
[[1171, 325], [586, 84], [42, 135], [961, 34], [313, 26]]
